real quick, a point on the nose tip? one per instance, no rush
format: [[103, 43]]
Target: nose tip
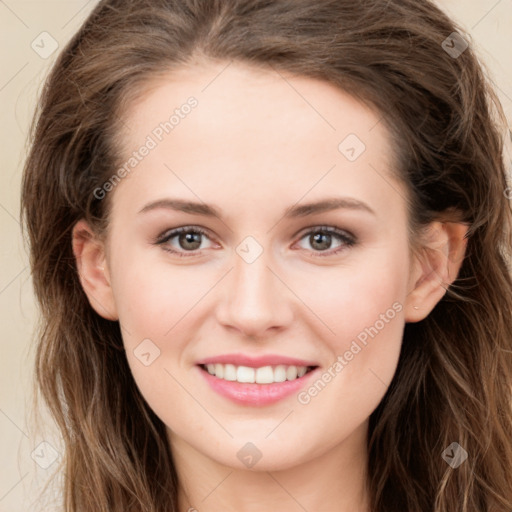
[[254, 300]]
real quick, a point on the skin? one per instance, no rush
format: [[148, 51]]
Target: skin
[[253, 147]]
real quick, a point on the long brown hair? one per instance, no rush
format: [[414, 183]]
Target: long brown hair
[[454, 378]]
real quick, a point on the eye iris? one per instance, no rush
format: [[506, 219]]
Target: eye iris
[[317, 238], [190, 237]]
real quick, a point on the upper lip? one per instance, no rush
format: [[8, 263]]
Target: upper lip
[[256, 361]]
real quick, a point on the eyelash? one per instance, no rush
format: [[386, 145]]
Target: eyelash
[[347, 239]]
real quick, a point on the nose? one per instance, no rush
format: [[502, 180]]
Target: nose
[[254, 299]]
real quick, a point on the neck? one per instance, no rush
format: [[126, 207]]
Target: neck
[[334, 480]]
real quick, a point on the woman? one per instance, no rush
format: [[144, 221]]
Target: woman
[[337, 336]]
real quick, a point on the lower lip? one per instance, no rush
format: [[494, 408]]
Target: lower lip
[[256, 394]]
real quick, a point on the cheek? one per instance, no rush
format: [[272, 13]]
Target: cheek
[[363, 311], [350, 299], [158, 306], [152, 298], [366, 344]]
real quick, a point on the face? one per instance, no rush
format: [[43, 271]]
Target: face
[[293, 258]]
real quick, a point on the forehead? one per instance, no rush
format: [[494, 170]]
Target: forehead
[[234, 95], [254, 133]]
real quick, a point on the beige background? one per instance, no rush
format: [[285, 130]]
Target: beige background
[[22, 72]]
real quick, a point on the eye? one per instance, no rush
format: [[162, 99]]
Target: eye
[[320, 239], [188, 239]]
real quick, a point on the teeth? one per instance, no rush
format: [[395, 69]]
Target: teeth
[[263, 375], [245, 374], [219, 370], [280, 373], [229, 372], [301, 371], [291, 373]]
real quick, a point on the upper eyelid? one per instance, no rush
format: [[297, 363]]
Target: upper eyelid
[[171, 233], [322, 227]]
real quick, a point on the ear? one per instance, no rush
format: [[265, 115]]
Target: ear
[[93, 270], [435, 267]]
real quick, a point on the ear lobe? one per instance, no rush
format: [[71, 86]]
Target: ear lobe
[[435, 268], [93, 270]]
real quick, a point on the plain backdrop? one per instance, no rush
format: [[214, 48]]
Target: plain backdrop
[[25, 61]]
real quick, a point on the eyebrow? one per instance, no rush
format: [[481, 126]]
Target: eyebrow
[[294, 211]]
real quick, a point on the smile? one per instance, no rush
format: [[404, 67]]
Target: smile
[[256, 381]]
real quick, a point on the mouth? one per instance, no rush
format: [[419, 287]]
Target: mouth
[[256, 382]]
